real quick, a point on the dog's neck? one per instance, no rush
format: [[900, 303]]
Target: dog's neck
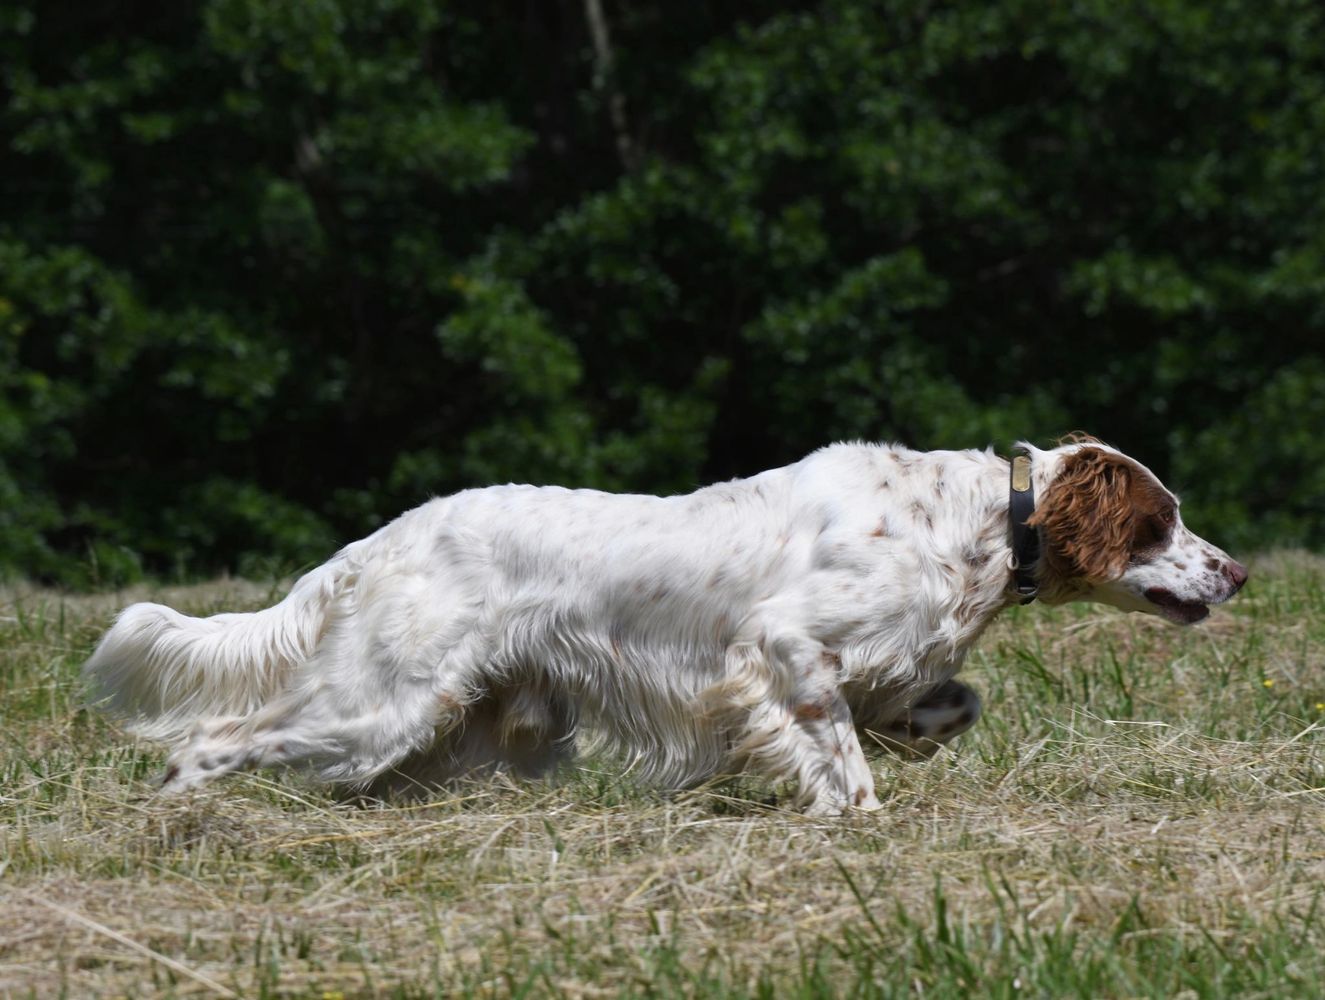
[[981, 555]]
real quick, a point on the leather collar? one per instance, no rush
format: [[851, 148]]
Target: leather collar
[[1025, 539]]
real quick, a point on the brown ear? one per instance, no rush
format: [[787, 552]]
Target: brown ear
[[1086, 517], [1079, 437]]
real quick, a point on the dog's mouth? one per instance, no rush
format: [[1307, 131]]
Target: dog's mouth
[[1174, 608]]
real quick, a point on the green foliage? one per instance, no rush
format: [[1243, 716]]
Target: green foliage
[[1263, 464], [270, 272]]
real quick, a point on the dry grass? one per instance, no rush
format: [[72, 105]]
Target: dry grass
[[1140, 813]]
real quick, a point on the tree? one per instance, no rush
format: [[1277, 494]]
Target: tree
[[271, 272]]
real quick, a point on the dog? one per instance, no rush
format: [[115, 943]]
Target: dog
[[763, 625]]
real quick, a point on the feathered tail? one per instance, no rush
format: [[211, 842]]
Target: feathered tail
[[162, 671]]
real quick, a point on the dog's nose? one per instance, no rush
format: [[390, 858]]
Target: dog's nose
[[1236, 573]]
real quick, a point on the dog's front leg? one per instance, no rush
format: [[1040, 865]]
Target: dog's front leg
[[834, 775], [799, 725]]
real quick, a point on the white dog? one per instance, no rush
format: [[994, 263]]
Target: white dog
[[753, 624]]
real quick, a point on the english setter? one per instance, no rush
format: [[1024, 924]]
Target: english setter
[[761, 624]]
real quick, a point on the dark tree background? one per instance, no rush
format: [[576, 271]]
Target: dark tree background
[[272, 271]]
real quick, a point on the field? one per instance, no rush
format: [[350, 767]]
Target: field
[[1140, 813]]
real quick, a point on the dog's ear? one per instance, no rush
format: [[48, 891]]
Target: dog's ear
[[1087, 517]]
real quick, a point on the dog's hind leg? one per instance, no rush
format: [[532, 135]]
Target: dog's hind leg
[[306, 731], [347, 719]]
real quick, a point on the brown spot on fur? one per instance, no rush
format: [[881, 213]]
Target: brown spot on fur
[[810, 711], [831, 659], [1212, 564], [919, 511], [860, 795], [882, 529], [1180, 566]]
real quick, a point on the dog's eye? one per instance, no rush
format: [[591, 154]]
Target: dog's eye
[[1152, 530]]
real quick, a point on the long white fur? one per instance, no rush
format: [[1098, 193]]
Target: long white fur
[[735, 626]]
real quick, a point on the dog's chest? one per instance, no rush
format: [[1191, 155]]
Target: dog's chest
[[909, 602]]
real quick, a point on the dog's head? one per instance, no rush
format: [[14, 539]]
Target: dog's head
[[1112, 533]]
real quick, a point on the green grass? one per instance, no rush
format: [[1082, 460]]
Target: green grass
[[1141, 813]]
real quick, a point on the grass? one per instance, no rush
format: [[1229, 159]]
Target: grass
[[1141, 813]]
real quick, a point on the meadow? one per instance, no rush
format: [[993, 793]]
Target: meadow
[[1140, 813]]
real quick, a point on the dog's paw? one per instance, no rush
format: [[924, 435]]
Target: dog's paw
[[190, 770], [947, 711], [212, 750], [828, 803]]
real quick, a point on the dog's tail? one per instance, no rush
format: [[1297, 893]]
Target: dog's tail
[[162, 671]]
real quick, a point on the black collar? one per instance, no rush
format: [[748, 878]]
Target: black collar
[[1025, 539]]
